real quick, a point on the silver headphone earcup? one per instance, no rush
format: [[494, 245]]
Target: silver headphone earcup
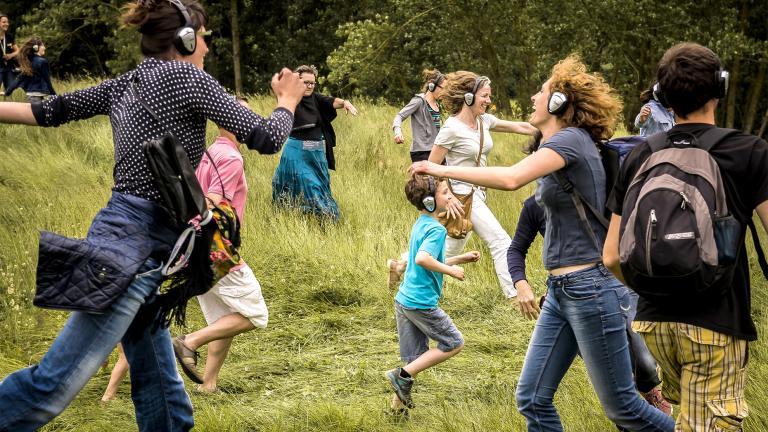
[[187, 40], [557, 103], [469, 99], [429, 203]]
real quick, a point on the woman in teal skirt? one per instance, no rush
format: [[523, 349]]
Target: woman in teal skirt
[[302, 179]]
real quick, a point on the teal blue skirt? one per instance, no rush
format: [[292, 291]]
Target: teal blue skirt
[[302, 179]]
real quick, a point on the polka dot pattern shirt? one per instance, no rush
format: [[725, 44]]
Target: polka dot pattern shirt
[[183, 97]]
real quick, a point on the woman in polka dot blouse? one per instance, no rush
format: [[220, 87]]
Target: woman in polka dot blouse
[[133, 225]]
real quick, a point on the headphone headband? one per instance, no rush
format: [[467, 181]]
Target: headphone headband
[[185, 39], [183, 13], [469, 97], [479, 80]]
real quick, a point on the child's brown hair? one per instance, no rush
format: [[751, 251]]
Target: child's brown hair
[[420, 187]]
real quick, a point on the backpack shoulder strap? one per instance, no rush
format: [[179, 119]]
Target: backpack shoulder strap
[[711, 137], [658, 141], [758, 248]]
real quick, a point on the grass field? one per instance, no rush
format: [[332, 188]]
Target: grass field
[[319, 364]]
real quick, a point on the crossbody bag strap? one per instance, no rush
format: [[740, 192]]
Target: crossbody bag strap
[[482, 138], [135, 91], [578, 202], [218, 174]]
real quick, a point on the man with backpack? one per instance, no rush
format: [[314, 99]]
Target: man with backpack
[[681, 206]]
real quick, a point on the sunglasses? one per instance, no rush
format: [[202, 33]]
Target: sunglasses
[[207, 36]]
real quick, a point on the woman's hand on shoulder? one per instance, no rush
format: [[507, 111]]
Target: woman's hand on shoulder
[[288, 88], [426, 168]]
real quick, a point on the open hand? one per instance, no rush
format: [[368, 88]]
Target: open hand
[[426, 167], [349, 108]]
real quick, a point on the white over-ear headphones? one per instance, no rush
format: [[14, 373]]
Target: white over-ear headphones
[[429, 200], [557, 103], [469, 98], [185, 39], [435, 82]]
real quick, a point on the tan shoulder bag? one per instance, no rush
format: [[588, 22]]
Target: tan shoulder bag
[[459, 227]]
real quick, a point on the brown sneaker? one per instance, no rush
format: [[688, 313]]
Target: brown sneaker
[[396, 269], [655, 398], [187, 359]]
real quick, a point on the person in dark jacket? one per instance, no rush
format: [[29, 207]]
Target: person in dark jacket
[[302, 178], [35, 77], [133, 235], [9, 50]]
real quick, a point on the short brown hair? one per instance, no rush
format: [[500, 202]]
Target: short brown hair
[[457, 84], [418, 188], [592, 104], [306, 69], [686, 76]]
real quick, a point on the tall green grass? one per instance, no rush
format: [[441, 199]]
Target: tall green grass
[[332, 333]]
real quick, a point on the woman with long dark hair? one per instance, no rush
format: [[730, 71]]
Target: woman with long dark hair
[[35, 75], [134, 225]]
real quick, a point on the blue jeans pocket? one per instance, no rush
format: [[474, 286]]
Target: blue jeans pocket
[[580, 289]]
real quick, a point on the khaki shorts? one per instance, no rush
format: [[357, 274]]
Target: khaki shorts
[[240, 292]]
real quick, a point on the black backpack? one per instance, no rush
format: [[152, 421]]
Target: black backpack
[[677, 236]]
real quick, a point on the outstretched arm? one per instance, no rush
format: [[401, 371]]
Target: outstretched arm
[[426, 260], [543, 162], [347, 105], [464, 258], [17, 113], [523, 128]]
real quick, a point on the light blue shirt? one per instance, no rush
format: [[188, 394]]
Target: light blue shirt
[[660, 120], [421, 288]]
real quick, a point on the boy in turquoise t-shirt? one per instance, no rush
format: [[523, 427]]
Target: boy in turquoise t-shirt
[[419, 319]]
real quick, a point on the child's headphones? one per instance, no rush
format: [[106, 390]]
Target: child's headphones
[[469, 98], [185, 39], [429, 200], [557, 103], [35, 48], [434, 83], [722, 77]]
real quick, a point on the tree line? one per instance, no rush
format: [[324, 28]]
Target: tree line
[[376, 49]]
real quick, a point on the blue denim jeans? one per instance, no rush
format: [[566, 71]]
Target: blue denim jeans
[[31, 397], [584, 312]]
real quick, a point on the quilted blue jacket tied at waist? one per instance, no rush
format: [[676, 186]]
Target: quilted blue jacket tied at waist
[[89, 274]]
